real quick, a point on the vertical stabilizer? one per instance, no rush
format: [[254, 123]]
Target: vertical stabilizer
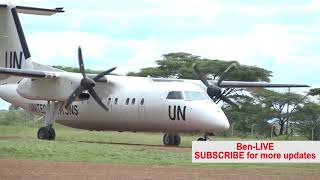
[[14, 50]]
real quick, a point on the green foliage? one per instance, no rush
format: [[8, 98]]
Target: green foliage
[[179, 65], [307, 119], [278, 103], [14, 117], [314, 92], [250, 113], [76, 70]]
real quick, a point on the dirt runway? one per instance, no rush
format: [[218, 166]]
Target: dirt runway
[[33, 169]]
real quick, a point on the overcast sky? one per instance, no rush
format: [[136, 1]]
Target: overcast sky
[[281, 36]]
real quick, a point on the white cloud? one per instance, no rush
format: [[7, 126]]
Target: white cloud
[[275, 41], [176, 8], [61, 47], [274, 9]]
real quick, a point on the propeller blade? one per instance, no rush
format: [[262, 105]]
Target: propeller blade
[[73, 96], [229, 101], [99, 76], [97, 99], [200, 75], [81, 65], [223, 75]]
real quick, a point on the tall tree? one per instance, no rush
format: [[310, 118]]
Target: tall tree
[[278, 102], [179, 65], [307, 119], [252, 113]]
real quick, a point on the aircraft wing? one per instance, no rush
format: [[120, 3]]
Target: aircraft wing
[[34, 74], [243, 84], [233, 84]]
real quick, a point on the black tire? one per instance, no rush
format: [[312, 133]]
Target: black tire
[[43, 133], [201, 139], [52, 134], [177, 139], [168, 139]]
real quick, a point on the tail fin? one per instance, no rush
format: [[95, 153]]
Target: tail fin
[[14, 51]]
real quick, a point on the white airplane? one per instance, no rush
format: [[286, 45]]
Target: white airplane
[[106, 102]]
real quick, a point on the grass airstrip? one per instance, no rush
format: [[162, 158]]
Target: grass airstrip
[[72, 145]]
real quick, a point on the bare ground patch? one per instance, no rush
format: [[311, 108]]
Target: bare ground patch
[[32, 169]]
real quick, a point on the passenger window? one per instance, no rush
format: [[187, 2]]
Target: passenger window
[[116, 101], [109, 101], [133, 101], [127, 101], [142, 101], [175, 95]]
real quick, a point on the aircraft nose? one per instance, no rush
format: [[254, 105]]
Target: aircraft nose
[[222, 121], [218, 121], [209, 117]]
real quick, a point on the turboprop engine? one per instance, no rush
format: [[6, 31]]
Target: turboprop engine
[[50, 89]]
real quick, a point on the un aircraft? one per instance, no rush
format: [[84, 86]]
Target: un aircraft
[[105, 102]]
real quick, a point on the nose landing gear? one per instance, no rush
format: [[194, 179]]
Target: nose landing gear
[[171, 139], [205, 137]]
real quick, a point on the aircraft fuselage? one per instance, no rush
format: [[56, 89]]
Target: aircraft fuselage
[[135, 104]]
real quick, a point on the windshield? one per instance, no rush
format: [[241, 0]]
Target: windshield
[[194, 95], [175, 95], [188, 95]]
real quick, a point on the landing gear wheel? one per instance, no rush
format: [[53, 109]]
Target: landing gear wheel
[[52, 134], [205, 137], [176, 140], [170, 139], [167, 139], [47, 133], [43, 133]]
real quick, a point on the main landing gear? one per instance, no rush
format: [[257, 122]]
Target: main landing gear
[[47, 132], [171, 139]]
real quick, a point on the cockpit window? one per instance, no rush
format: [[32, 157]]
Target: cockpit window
[[206, 96], [193, 95], [175, 95]]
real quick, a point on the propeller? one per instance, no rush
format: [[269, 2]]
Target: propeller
[[214, 90], [87, 84]]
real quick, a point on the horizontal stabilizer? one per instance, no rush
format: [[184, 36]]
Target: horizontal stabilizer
[[34, 74], [35, 10]]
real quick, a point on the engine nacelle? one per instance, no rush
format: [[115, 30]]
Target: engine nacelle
[[49, 89]]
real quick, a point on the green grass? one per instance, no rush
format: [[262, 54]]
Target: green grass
[[72, 145]]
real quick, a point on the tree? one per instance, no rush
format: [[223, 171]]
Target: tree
[[251, 113], [179, 65], [77, 70], [314, 92], [307, 119], [278, 102]]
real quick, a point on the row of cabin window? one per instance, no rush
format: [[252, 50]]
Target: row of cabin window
[[133, 101]]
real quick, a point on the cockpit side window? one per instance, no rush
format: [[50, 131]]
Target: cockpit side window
[[175, 95]]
